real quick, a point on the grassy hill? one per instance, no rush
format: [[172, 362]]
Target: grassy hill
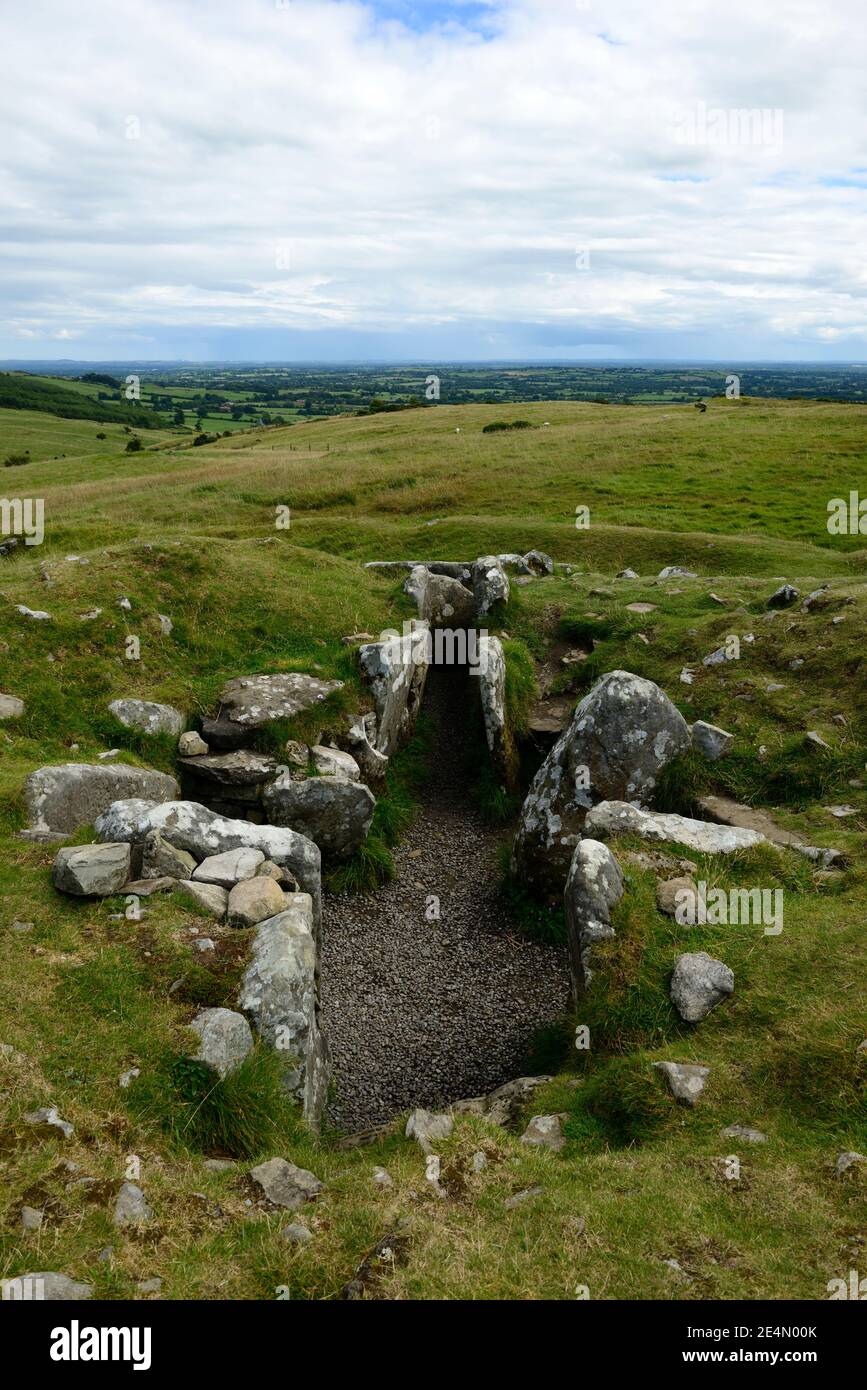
[[739, 494]]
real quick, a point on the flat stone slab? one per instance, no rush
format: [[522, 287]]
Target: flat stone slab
[[254, 701], [621, 818], [728, 812], [238, 769], [92, 871], [69, 795], [148, 717], [229, 868]]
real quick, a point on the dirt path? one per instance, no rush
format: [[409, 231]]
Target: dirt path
[[422, 1012]]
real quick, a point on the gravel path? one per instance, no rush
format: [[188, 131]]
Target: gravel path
[[419, 1012]]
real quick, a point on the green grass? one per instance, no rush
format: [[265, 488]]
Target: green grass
[[190, 533]]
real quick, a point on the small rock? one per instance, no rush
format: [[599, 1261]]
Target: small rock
[[48, 1118], [284, 1185], [480, 1160], [210, 896], [382, 1178], [192, 745], [132, 1207], [749, 1136], [698, 984], [149, 1285], [641, 607], [147, 717], [36, 614], [676, 572], [203, 944], [46, 1286], [710, 740], [231, 867], [225, 1038], [21, 926], [847, 1160], [519, 1198], [426, 1127], [31, 1219], [669, 898], [686, 1080], [784, 596], [626, 574], [128, 1077], [219, 1165], [166, 624], [11, 707], [812, 739], [294, 1233], [545, 1131], [841, 812], [254, 901]]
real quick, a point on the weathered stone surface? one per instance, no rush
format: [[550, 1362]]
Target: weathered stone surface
[[92, 871], [231, 867], [11, 707], [331, 762], [279, 994], [255, 701], [395, 671], [333, 813], [619, 818], [622, 735], [504, 1105], [31, 1220], [203, 833], [163, 860], [295, 1233], [239, 769], [491, 681], [668, 898], [710, 740], [48, 1119], [148, 717], [686, 1080], [254, 900], [428, 1128], [784, 596], [538, 563], [850, 1159], [698, 984], [441, 601], [225, 1039], [593, 886], [206, 895], [65, 797], [44, 1285], [192, 745], [222, 733], [749, 1136], [490, 584], [360, 740], [545, 1132], [727, 812], [676, 572], [132, 1207], [146, 887], [284, 1185]]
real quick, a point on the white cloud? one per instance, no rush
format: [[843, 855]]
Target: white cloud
[[208, 165]]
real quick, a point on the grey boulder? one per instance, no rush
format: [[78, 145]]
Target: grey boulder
[[593, 887], [162, 860], [147, 717], [622, 735], [698, 984], [285, 1185], [209, 896], [229, 868], [686, 1080], [65, 797], [254, 900], [441, 601], [132, 1207], [92, 871], [620, 818], [710, 740], [395, 670], [333, 813], [225, 1039]]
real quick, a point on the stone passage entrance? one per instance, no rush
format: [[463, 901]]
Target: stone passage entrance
[[421, 1012]]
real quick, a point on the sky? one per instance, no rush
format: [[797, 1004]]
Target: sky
[[333, 180]]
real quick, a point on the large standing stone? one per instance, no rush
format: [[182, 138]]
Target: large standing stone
[[441, 601], [225, 1039], [333, 813], [619, 818], [621, 737], [492, 693], [490, 584], [92, 871], [71, 795], [255, 701], [201, 832], [395, 670], [148, 717], [698, 984], [279, 993], [593, 887]]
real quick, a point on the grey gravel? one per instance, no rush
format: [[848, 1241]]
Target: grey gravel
[[419, 1012]]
